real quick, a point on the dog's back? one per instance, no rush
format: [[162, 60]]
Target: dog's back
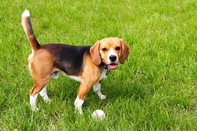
[[67, 58]]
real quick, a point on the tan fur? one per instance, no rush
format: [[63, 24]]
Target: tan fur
[[90, 75], [41, 68], [94, 51], [125, 50]]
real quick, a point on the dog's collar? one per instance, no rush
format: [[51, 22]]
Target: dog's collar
[[107, 71], [103, 65], [106, 68]]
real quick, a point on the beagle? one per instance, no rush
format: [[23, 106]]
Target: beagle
[[86, 64]]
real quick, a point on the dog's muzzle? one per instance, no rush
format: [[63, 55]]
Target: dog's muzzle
[[113, 65]]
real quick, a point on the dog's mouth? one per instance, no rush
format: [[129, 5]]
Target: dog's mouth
[[113, 66]]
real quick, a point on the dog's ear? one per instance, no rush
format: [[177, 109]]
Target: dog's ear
[[125, 50], [94, 52]]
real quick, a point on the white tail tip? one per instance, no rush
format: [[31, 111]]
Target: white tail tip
[[25, 13]]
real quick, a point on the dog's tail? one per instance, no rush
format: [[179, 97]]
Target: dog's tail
[[26, 23]]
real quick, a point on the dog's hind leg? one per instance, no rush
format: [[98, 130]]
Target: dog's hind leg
[[41, 68], [43, 94], [33, 102], [36, 89]]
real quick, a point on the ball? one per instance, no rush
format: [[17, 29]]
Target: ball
[[98, 115]]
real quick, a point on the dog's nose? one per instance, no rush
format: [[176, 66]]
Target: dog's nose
[[112, 58]]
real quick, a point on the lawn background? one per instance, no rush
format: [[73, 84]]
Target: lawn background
[[154, 90]]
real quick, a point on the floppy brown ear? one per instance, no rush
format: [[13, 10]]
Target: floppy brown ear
[[125, 50], [94, 52]]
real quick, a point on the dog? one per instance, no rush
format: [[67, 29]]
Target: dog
[[86, 64]]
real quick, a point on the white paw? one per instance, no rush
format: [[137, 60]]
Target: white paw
[[102, 97], [78, 105]]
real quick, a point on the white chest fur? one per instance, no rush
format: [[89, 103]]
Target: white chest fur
[[104, 74]]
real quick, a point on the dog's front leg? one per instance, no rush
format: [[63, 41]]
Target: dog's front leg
[[82, 93], [97, 89]]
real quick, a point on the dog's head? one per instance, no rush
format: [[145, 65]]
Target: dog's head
[[109, 51]]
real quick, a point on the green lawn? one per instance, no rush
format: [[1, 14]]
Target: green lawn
[[154, 90]]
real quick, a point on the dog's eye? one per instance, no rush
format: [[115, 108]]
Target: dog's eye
[[117, 48], [104, 49]]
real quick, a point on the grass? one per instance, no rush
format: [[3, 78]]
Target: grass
[[154, 90]]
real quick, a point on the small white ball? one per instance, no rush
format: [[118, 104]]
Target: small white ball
[[98, 115]]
